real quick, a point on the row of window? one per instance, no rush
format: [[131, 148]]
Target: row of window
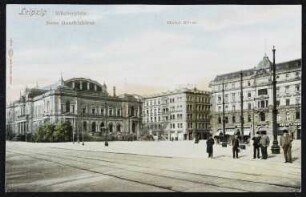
[[202, 99], [249, 83], [261, 92], [179, 125], [198, 107], [260, 104], [198, 125], [262, 117]]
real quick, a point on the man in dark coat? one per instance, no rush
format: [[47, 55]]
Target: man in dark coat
[[256, 146], [209, 148], [285, 143], [264, 143], [235, 145]]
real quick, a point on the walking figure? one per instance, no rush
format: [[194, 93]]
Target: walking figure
[[209, 148], [285, 142], [235, 145], [264, 143], [256, 146]]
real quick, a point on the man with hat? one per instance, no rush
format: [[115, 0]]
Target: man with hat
[[209, 146], [256, 145], [235, 145], [264, 143], [285, 143]]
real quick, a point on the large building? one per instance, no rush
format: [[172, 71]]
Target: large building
[[177, 115], [85, 103], [258, 99]]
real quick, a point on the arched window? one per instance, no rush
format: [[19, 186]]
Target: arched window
[[110, 127], [91, 86], [249, 118], [233, 119], [102, 126], [262, 116], [132, 111], [133, 127], [219, 120], [77, 85], [84, 126], [118, 129], [67, 106], [93, 127]]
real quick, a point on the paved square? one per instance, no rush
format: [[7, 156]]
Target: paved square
[[179, 166]]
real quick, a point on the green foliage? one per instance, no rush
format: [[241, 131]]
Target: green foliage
[[61, 132]]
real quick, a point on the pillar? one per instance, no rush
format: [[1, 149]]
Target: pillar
[[81, 85]]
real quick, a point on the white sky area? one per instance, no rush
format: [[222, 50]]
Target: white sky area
[[134, 48]]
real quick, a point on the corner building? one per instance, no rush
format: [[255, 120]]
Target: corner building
[[83, 102], [258, 99], [182, 114]]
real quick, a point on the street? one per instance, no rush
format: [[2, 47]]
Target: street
[[145, 167]]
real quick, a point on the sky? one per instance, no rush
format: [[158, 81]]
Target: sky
[[145, 49]]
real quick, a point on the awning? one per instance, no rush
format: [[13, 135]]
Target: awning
[[246, 131], [219, 132], [282, 128], [229, 131]]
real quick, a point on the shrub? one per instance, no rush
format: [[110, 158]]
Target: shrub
[[62, 132]]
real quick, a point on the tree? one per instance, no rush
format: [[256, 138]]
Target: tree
[[44, 133], [62, 132]]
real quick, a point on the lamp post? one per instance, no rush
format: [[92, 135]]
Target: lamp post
[[106, 127], [241, 107], [254, 101], [82, 131], [275, 147], [73, 136], [224, 144]]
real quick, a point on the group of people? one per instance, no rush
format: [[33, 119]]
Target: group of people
[[260, 144]]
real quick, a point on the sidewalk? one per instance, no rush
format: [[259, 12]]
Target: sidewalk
[[185, 149]]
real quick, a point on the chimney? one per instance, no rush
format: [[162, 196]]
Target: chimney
[[114, 91]]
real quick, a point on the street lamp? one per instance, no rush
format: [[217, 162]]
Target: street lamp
[[224, 144], [106, 127], [275, 147], [82, 131]]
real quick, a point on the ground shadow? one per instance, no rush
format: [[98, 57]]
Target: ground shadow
[[271, 156], [219, 156]]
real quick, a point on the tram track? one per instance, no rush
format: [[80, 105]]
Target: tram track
[[80, 159]]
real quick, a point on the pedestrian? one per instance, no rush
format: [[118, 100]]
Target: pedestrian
[[256, 145], [264, 143], [209, 146], [285, 143], [235, 145]]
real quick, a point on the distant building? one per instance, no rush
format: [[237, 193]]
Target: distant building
[[177, 115], [85, 103], [257, 99]]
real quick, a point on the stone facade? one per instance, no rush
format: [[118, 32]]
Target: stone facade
[[257, 99], [85, 103], [177, 115]]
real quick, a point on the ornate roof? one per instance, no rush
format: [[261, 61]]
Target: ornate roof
[[264, 63]]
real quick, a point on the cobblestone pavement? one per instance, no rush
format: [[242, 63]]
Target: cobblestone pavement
[[146, 167]]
